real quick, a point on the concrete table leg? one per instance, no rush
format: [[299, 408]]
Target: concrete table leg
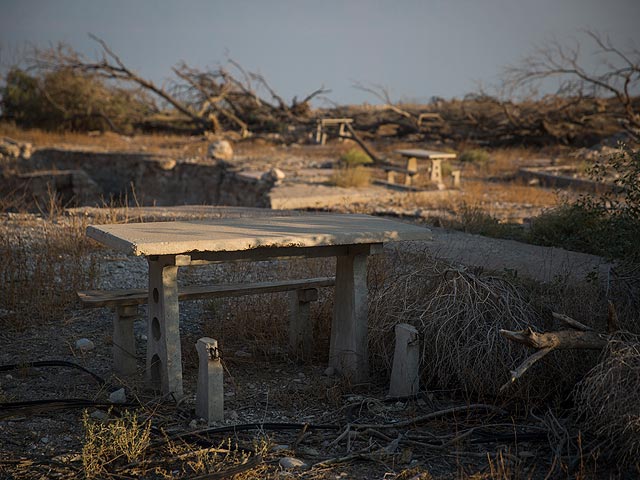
[[411, 166], [348, 353], [436, 171], [164, 356], [124, 342]]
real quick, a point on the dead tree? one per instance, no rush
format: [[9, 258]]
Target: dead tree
[[208, 99], [619, 80]]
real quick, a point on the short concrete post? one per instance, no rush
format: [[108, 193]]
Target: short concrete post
[[124, 342], [210, 392], [405, 373], [300, 327], [455, 178], [436, 171]]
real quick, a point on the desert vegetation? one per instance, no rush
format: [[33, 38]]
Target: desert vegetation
[[520, 378]]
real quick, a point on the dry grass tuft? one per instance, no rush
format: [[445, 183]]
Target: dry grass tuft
[[351, 177], [125, 437], [607, 399]]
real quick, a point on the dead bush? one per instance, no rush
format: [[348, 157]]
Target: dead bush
[[607, 399], [351, 176], [459, 313]]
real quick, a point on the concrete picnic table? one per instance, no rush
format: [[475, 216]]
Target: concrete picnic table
[[169, 245], [413, 154]]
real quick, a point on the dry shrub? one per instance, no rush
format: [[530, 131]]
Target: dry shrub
[[607, 398], [347, 177], [459, 314]]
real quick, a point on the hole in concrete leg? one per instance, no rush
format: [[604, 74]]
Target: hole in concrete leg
[[155, 328], [156, 295], [156, 364]]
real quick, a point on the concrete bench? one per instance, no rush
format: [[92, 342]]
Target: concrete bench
[[409, 171], [125, 303]]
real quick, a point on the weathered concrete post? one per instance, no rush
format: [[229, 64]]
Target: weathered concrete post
[[164, 356], [455, 178], [405, 373], [300, 327], [124, 342], [210, 392]]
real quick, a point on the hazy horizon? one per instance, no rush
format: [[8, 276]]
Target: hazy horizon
[[415, 49]]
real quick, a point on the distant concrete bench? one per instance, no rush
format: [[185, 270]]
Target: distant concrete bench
[[125, 303], [326, 123], [429, 118], [409, 171]]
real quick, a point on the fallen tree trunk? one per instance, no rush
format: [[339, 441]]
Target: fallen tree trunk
[[579, 337]]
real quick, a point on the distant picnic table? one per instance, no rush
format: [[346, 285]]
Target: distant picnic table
[[410, 168]]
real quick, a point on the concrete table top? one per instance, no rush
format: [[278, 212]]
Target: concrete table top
[[429, 154], [239, 234]]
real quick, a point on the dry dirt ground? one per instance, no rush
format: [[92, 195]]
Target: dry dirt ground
[[263, 386], [294, 409]]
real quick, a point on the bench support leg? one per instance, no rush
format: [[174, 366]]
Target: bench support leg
[[210, 392], [164, 356], [348, 352], [124, 342], [412, 166], [300, 327]]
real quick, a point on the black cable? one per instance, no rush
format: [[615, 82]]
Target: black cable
[[52, 363], [13, 409]]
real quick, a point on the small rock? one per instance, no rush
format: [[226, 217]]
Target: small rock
[[99, 415], [280, 448], [274, 175], [301, 375], [308, 451], [242, 354], [330, 371], [220, 150], [44, 439], [119, 396], [8, 376], [67, 438], [232, 415], [193, 424], [84, 345], [291, 462]]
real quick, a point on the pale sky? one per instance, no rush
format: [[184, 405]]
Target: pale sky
[[417, 49]]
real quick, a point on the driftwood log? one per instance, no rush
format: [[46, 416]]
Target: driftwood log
[[579, 336]]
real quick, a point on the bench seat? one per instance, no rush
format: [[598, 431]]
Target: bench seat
[[125, 303], [140, 296]]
